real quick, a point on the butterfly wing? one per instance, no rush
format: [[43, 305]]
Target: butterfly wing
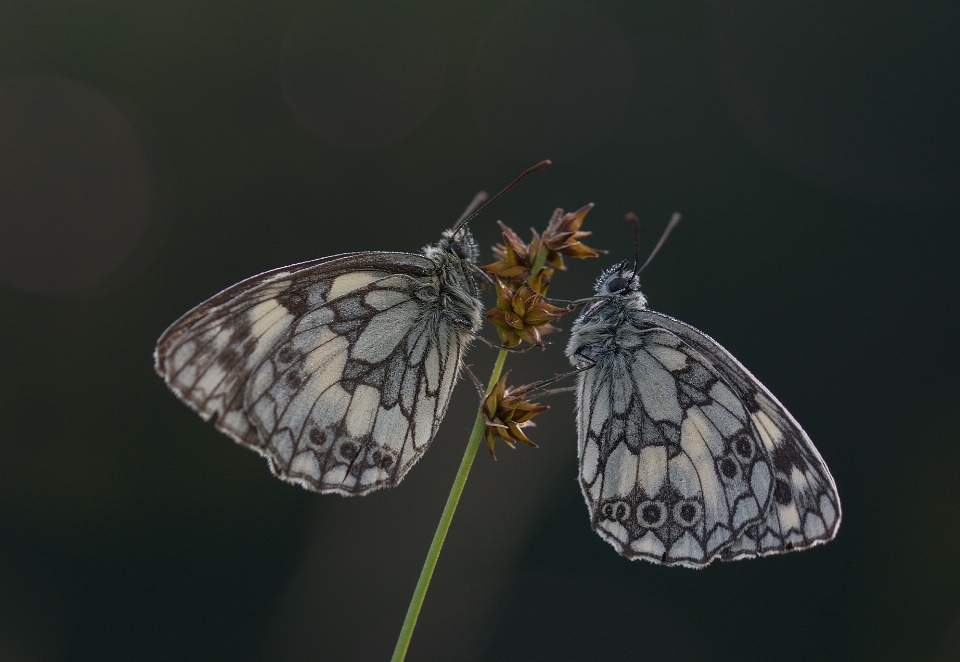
[[805, 510], [337, 370], [670, 466]]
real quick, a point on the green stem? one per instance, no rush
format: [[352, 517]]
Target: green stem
[[430, 563]]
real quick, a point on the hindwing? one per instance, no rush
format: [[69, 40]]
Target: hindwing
[[338, 370], [670, 467], [805, 510], [684, 456]]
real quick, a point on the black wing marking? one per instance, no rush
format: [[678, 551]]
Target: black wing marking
[[805, 510], [353, 395], [207, 356], [671, 469]]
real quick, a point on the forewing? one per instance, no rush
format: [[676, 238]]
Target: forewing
[[805, 509], [353, 395], [670, 466]]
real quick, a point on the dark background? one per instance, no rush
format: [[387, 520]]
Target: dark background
[[152, 153]]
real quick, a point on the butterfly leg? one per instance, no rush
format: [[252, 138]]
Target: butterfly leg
[[538, 386], [478, 272], [512, 350], [572, 304], [554, 391], [476, 382]]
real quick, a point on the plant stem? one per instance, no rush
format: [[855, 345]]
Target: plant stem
[[430, 563]]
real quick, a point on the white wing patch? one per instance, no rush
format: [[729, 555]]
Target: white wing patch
[[338, 372]]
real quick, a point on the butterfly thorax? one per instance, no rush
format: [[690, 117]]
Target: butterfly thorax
[[600, 327], [454, 284]]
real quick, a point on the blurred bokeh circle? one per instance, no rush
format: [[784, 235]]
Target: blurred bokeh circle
[[363, 74], [868, 107], [74, 185], [550, 80]]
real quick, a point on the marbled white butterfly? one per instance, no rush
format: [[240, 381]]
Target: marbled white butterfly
[[337, 370], [685, 457]]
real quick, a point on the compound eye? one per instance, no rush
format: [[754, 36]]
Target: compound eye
[[618, 284], [457, 248]]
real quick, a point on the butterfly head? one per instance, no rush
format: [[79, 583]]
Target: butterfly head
[[459, 245], [620, 284]]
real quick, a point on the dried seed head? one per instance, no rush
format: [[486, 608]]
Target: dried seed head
[[563, 235], [506, 412], [515, 259], [522, 315]]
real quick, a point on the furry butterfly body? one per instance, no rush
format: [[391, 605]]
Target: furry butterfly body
[[337, 370], [685, 457]]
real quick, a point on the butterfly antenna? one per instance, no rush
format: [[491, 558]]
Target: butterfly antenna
[[663, 238], [478, 199], [463, 221], [630, 216]]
